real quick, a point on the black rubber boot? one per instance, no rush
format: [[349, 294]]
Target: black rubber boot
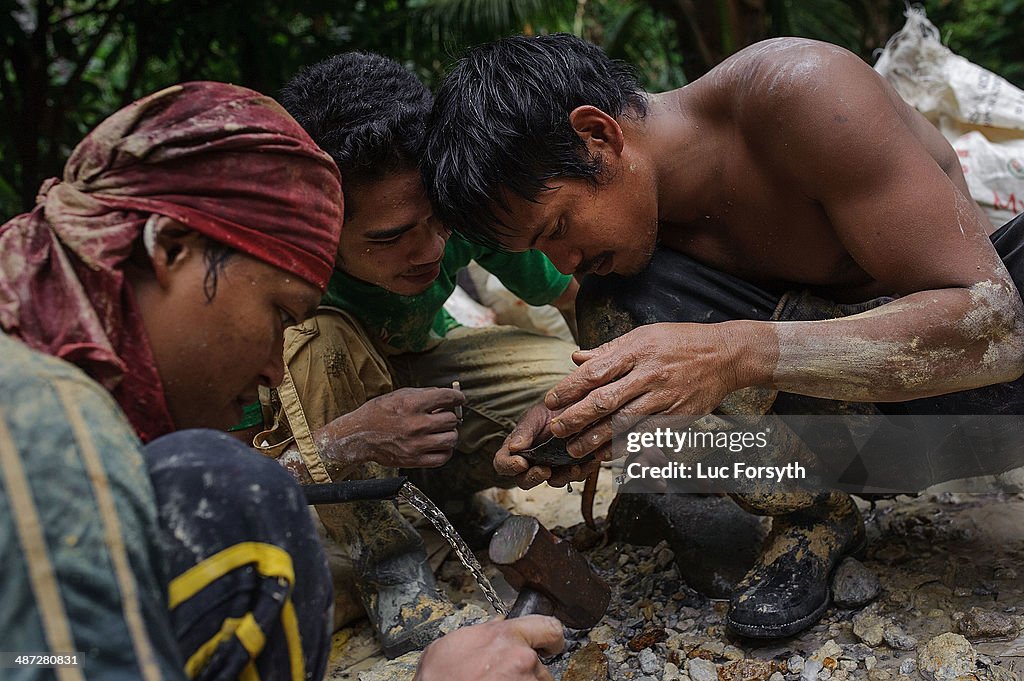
[[787, 590], [402, 600], [476, 519], [392, 573]]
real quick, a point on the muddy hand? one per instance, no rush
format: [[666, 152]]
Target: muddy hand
[[499, 650], [407, 428], [533, 428], [667, 368]]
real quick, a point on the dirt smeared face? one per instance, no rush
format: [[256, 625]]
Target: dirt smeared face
[[391, 238], [213, 354], [585, 228]]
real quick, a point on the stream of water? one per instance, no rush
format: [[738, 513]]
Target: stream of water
[[431, 512]]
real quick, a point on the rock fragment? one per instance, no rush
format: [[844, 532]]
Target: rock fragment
[[946, 658], [978, 623], [853, 585]]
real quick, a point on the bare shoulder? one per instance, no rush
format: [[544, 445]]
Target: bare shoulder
[[792, 72]]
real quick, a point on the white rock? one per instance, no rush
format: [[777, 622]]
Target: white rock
[[946, 657], [811, 669], [649, 663], [700, 669], [602, 634], [670, 673], [795, 664], [830, 649], [870, 661], [898, 639]]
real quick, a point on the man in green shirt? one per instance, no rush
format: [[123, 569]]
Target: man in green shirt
[[368, 381]]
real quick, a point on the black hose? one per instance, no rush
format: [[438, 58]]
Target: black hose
[[353, 490]]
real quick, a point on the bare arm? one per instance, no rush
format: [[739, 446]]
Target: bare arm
[[838, 138], [899, 207], [406, 428]]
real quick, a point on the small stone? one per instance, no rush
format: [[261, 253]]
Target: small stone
[[898, 639], [847, 665], [825, 674], [399, 669], [732, 653], [616, 653], [869, 628], [879, 675], [670, 673], [831, 649], [811, 670], [777, 676], [700, 669], [589, 662], [840, 675], [854, 586], [946, 657], [857, 652], [746, 670], [602, 634], [716, 648], [647, 639], [870, 661], [795, 664], [664, 558], [982, 624], [908, 666], [649, 663]]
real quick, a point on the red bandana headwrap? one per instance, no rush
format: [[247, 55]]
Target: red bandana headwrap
[[225, 161]]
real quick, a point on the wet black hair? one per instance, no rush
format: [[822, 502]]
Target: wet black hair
[[500, 121], [368, 112]]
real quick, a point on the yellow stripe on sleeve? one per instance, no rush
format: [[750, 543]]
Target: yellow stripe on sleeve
[[270, 561]]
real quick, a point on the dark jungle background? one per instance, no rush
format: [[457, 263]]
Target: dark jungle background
[[67, 64]]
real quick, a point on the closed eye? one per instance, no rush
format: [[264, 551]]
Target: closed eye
[[389, 236], [286, 318]]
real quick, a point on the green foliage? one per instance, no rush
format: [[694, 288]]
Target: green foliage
[[988, 32], [67, 64]]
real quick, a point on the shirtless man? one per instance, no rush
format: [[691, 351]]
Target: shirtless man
[[789, 180]]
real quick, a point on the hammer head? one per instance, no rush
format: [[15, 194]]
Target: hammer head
[[533, 559]]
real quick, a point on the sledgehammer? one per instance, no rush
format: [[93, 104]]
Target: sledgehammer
[[551, 576]]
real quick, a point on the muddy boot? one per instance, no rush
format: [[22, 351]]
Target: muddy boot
[[391, 572], [787, 590], [402, 600]]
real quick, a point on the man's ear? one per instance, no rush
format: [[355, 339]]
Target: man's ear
[[170, 245], [599, 131]]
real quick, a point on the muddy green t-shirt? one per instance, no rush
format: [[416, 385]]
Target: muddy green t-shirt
[[418, 323]]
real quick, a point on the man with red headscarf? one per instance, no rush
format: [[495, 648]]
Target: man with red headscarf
[[188, 230]]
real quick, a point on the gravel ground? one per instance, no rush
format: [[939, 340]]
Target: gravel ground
[[937, 594]]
